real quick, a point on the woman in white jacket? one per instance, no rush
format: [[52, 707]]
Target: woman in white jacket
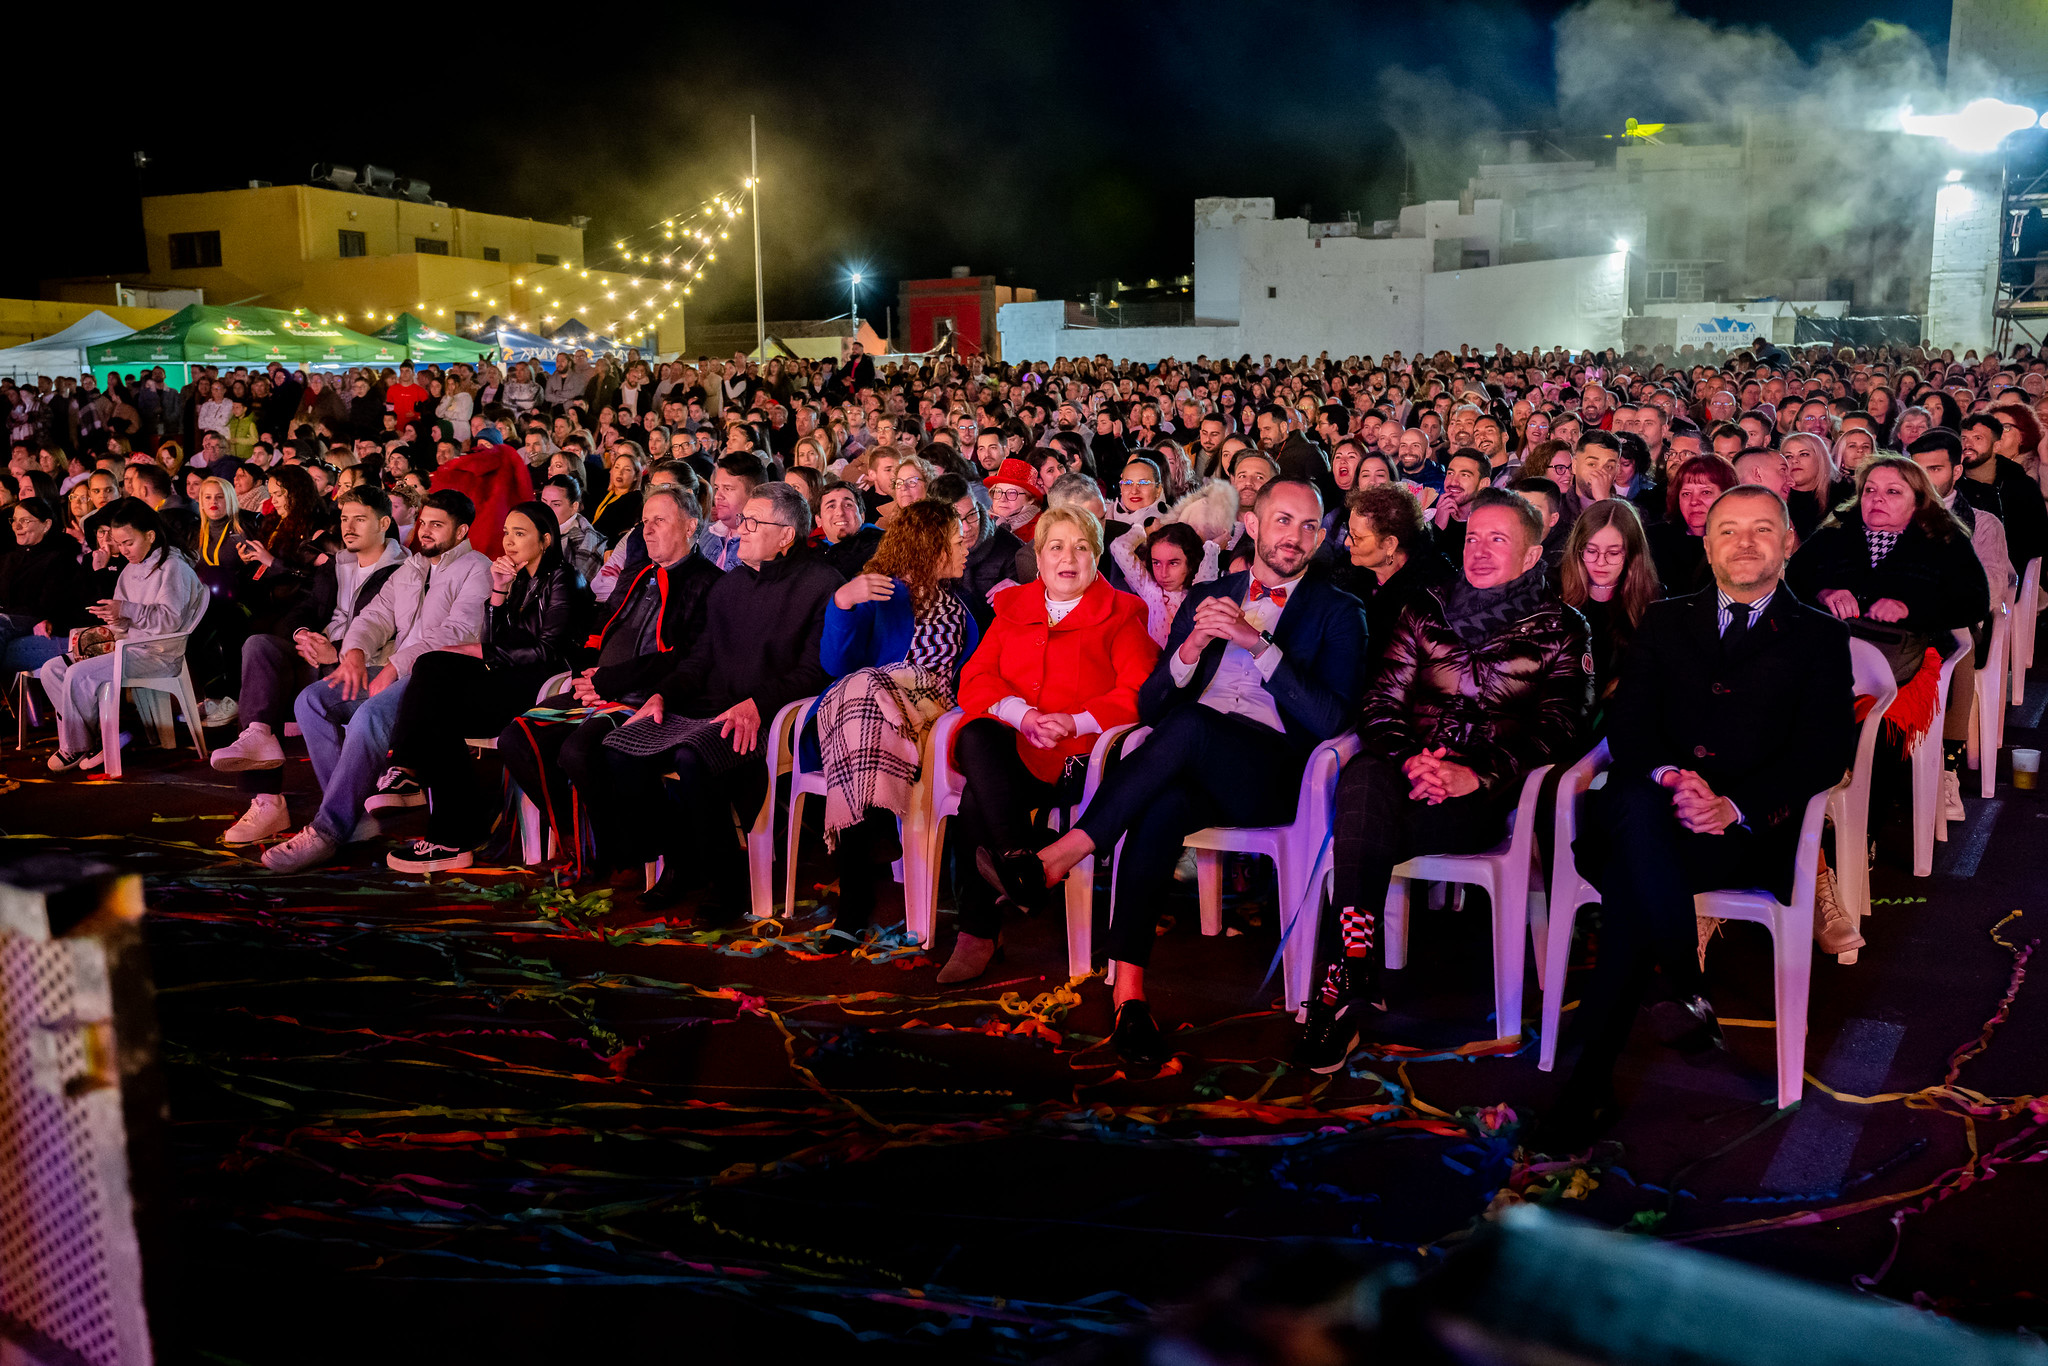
[[158, 594]]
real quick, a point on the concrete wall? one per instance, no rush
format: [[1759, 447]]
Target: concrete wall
[[1963, 280], [1345, 295], [1038, 331], [1576, 303], [1218, 253]]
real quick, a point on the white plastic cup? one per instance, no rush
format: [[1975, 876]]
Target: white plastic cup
[[2026, 768]]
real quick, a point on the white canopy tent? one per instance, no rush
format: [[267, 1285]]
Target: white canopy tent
[[63, 352]]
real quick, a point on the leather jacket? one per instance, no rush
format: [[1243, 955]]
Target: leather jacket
[[542, 621], [1515, 701]]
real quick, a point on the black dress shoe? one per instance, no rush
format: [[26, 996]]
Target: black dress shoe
[[1689, 1026], [1331, 1035], [1581, 1115], [1017, 875], [1137, 1038]]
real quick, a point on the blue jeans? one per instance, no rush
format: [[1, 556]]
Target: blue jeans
[[349, 743]]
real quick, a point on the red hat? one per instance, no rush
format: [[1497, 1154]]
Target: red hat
[[1018, 474]]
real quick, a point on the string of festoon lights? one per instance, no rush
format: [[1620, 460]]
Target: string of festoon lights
[[657, 268]]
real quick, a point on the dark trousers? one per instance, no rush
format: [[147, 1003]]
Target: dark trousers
[[273, 675], [1647, 867], [449, 698], [862, 855], [1198, 768], [997, 797], [689, 822], [1378, 825], [539, 755]]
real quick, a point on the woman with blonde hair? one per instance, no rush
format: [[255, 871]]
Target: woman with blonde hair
[[1817, 483], [913, 477], [895, 637]]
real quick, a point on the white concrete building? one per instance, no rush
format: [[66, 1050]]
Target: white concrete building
[[1286, 286]]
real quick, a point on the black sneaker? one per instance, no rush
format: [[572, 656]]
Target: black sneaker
[[425, 856], [396, 788], [1137, 1038], [64, 759], [1331, 1035]]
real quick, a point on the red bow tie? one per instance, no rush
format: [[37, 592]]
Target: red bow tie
[[1278, 595]]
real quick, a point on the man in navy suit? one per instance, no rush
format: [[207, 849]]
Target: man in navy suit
[[1261, 666]]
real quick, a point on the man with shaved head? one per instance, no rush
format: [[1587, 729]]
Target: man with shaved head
[[1735, 707]]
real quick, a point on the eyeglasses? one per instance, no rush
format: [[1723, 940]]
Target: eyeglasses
[[1137, 483], [756, 523], [915, 481], [1613, 554]]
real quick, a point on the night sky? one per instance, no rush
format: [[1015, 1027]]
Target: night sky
[[1050, 144]]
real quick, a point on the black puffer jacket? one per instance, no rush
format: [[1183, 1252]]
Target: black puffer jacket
[[1517, 700], [542, 621]]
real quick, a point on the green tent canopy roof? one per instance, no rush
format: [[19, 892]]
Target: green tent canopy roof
[[238, 335], [431, 346]]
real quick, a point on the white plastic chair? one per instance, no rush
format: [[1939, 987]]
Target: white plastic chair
[[1929, 821], [178, 686], [1791, 926], [1987, 736], [1791, 930], [2026, 610], [938, 799], [1849, 802], [1301, 864], [1504, 873]]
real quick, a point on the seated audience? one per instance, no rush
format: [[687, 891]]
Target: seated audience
[[1246, 689], [581, 542], [703, 720], [1484, 680], [1394, 562], [1676, 544], [1607, 577], [841, 539], [1179, 550], [435, 601]]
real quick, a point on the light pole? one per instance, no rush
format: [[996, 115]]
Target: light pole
[[853, 287], [754, 184]]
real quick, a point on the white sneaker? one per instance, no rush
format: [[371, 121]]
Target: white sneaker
[[1952, 795], [216, 712], [265, 817], [255, 747], [1833, 928], [1184, 866], [307, 849]]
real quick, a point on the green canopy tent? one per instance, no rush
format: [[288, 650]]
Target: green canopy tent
[[431, 346], [207, 334]]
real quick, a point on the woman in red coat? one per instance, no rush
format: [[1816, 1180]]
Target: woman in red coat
[[1060, 664]]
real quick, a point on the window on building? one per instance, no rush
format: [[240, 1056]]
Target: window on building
[[354, 243], [1843, 288], [1662, 286], [542, 258], [430, 246], [1272, 291], [465, 321], [490, 253], [1475, 260], [194, 250]]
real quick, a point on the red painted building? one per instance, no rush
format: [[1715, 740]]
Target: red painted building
[[964, 305]]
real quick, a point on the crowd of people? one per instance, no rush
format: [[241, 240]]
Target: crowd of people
[[1478, 563]]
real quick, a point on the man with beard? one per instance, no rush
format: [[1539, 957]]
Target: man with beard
[[2002, 488]]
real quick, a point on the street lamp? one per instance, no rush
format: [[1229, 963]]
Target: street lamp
[[853, 284]]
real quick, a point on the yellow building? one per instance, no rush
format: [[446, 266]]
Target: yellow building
[[361, 259]]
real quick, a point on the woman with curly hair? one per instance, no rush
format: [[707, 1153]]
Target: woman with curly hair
[[895, 639]]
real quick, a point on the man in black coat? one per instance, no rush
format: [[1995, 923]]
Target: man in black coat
[[2004, 489], [1297, 456], [658, 615], [1260, 667], [1735, 706], [759, 650]]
